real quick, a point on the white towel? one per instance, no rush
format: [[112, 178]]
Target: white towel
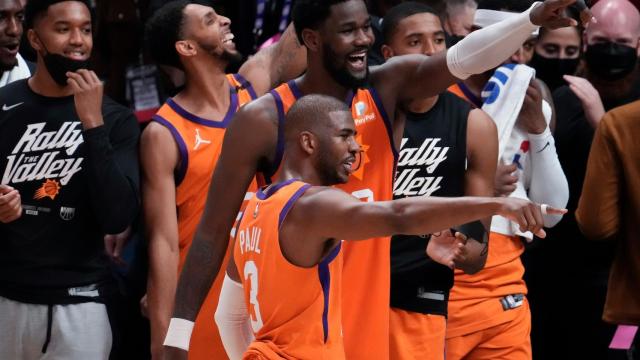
[[503, 97], [19, 72]]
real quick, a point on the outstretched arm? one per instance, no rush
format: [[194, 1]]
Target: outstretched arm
[[327, 213], [276, 64], [417, 77], [249, 139]]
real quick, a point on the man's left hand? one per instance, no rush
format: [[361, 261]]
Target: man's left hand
[[531, 117], [551, 14], [87, 91]]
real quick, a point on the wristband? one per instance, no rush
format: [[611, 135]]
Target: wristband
[[179, 334], [543, 209]]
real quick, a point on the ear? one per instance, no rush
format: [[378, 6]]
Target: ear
[[387, 52], [34, 40], [186, 48], [308, 142], [311, 39]]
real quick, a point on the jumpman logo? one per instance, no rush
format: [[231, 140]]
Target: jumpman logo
[[200, 140]]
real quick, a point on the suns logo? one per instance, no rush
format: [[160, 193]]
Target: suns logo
[[361, 160], [49, 189], [360, 107]]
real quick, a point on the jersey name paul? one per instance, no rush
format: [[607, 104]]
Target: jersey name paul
[[38, 155], [415, 167]]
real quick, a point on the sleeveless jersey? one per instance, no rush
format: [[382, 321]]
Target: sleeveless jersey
[[294, 311], [366, 276], [200, 142], [432, 162], [474, 299]]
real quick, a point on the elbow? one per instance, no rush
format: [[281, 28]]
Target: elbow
[[594, 230]]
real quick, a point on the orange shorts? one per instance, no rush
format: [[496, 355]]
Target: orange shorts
[[507, 341], [416, 336]]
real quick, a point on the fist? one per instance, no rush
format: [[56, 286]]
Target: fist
[[531, 118], [87, 91], [10, 204], [551, 14]]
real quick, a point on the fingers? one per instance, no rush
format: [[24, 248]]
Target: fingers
[[549, 210], [586, 16]]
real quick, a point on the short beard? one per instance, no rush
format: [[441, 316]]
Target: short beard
[[226, 56], [327, 173], [341, 75], [8, 66]]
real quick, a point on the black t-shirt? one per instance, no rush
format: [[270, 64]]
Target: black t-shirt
[[75, 186], [432, 162]]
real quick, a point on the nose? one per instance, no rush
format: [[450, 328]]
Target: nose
[[14, 27], [354, 146], [76, 37], [429, 48], [225, 21], [363, 38], [518, 56]]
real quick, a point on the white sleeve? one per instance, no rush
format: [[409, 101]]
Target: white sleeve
[[232, 319], [488, 47], [547, 181]]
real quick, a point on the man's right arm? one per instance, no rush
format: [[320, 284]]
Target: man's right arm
[[159, 157], [250, 138]]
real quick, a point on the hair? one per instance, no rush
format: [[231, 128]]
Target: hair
[[310, 14], [452, 6], [163, 30], [310, 113], [36, 9], [399, 13], [505, 5]]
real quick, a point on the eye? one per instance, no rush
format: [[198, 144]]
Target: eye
[[86, 31], [347, 31], [62, 30], [439, 41]]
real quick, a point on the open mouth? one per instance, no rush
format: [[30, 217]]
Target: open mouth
[[76, 54], [348, 164], [228, 38], [11, 48], [358, 60]]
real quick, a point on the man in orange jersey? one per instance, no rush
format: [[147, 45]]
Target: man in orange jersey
[[287, 251], [180, 147], [448, 149], [337, 35]]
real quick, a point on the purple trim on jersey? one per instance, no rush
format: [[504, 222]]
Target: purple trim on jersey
[[246, 85], [260, 194], [477, 102], [295, 90], [182, 147], [324, 276], [287, 207], [387, 122], [280, 142], [233, 107]]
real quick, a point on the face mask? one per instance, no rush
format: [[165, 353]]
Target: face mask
[[550, 70], [611, 61], [451, 40], [59, 65]]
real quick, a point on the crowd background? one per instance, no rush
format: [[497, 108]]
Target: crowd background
[[566, 274]]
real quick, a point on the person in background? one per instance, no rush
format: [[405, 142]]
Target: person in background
[[70, 169], [458, 19], [557, 53], [12, 66], [574, 329]]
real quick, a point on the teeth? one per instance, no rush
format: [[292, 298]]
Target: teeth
[[229, 37]]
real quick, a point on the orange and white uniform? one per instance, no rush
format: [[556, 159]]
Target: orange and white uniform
[[199, 141], [366, 277], [294, 311]]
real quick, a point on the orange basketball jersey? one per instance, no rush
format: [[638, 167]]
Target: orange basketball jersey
[[295, 311], [366, 274], [200, 142]]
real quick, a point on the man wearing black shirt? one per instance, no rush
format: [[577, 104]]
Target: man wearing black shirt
[[72, 159]]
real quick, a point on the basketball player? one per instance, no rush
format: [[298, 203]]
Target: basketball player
[[337, 35], [287, 252], [447, 149], [180, 147]]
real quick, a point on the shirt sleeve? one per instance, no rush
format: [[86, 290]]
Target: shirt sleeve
[[598, 213], [113, 171], [548, 183]]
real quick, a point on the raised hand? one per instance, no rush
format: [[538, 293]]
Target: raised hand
[[446, 248], [551, 14], [87, 92], [589, 97], [531, 118], [527, 214], [10, 204]]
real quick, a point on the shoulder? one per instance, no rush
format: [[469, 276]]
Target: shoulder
[[15, 91], [113, 111], [260, 111], [623, 118]]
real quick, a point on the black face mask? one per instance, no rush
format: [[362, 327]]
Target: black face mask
[[610, 61], [58, 65], [451, 40], [550, 70]]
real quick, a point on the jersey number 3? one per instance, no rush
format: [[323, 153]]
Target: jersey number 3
[[251, 274]]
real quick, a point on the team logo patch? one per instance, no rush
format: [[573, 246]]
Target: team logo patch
[[67, 213], [49, 189], [361, 108], [361, 159]]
